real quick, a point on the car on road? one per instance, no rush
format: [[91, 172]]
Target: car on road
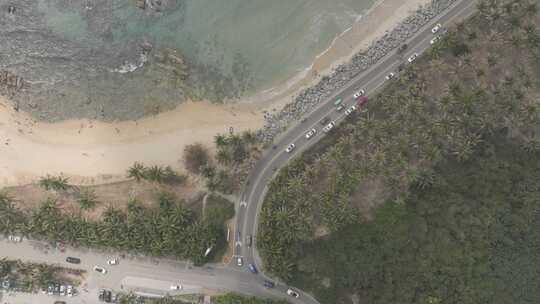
[[350, 110], [73, 260], [15, 238], [176, 287], [249, 240], [100, 269], [113, 261], [337, 102], [292, 293], [436, 28], [290, 148], [59, 302], [329, 127], [269, 284], [339, 108], [311, 133], [325, 120], [253, 269], [239, 261], [390, 76], [359, 93], [412, 58], [435, 39]]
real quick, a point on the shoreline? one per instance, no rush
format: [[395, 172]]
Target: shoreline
[[92, 152]]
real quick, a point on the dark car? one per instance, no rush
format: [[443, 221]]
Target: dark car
[[253, 269], [325, 120], [59, 302], [73, 260], [269, 284]]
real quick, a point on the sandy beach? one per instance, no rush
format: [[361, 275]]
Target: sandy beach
[[91, 152]]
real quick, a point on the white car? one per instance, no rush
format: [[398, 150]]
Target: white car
[[329, 126], [435, 39], [176, 287], [359, 93], [412, 58], [15, 238], [311, 133], [290, 148], [113, 261], [436, 28], [390, 76], [239, 261], [100, 269], [350, 110], [292, 293]]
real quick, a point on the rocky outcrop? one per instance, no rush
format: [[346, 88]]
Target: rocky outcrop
[[309, 98], [10, 83]]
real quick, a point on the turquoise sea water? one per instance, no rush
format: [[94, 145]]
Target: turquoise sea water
[[274, 38]]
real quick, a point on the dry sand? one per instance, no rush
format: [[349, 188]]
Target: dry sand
[[91, 152]]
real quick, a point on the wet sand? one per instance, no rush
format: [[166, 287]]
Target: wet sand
[[91, 152]]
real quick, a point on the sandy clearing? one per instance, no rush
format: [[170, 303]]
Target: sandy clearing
[[91, 152], [96, 152]]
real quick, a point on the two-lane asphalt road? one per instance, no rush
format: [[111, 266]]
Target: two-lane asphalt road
[[276, 158], [159, 272]]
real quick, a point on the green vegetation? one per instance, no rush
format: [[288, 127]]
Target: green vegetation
[[195, 158], [165, 230], [158, 174], [57, 183], [87, 200], [31, 277], [236, 153], [427, 196], [232, 298]]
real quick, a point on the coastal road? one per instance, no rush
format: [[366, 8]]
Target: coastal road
[[151, 275], [276, 158]]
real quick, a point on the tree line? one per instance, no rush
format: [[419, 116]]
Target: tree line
[[478, 82]]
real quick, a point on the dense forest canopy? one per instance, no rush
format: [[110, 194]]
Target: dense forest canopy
[[431, 195]]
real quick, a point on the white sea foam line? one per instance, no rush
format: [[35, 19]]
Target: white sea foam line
[[303, 72]]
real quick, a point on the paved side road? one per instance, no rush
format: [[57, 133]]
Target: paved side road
[[142, 274]]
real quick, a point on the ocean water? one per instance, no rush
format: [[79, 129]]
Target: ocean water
[[274, 38], [90, 58]]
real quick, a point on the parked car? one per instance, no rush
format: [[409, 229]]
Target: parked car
[[359, 93], [253, 269], [101, 295], [435, 39], [70, 291], [73, 260], [412, 58], [113, 261], [339, 108], [108, 296], [436, 28], [176, 287], [269, 284], [337, 102], [239, 261], [100, 269], [311, 133], [329, 127], [290, 148], [15, 238], [63, 290], [292, 293], [59, 302], [390, 76], [361, 101], [350, 110]]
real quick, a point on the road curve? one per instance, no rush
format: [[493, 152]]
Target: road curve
[[232, 277], [274, 159]]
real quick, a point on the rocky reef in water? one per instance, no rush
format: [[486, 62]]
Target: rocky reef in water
[[93, 74]]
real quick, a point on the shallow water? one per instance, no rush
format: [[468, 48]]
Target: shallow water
[[251, 44]]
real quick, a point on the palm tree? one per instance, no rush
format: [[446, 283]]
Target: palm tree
[[155, 173], [136, 171], [220, 140], [54, 182], [87, 200]]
